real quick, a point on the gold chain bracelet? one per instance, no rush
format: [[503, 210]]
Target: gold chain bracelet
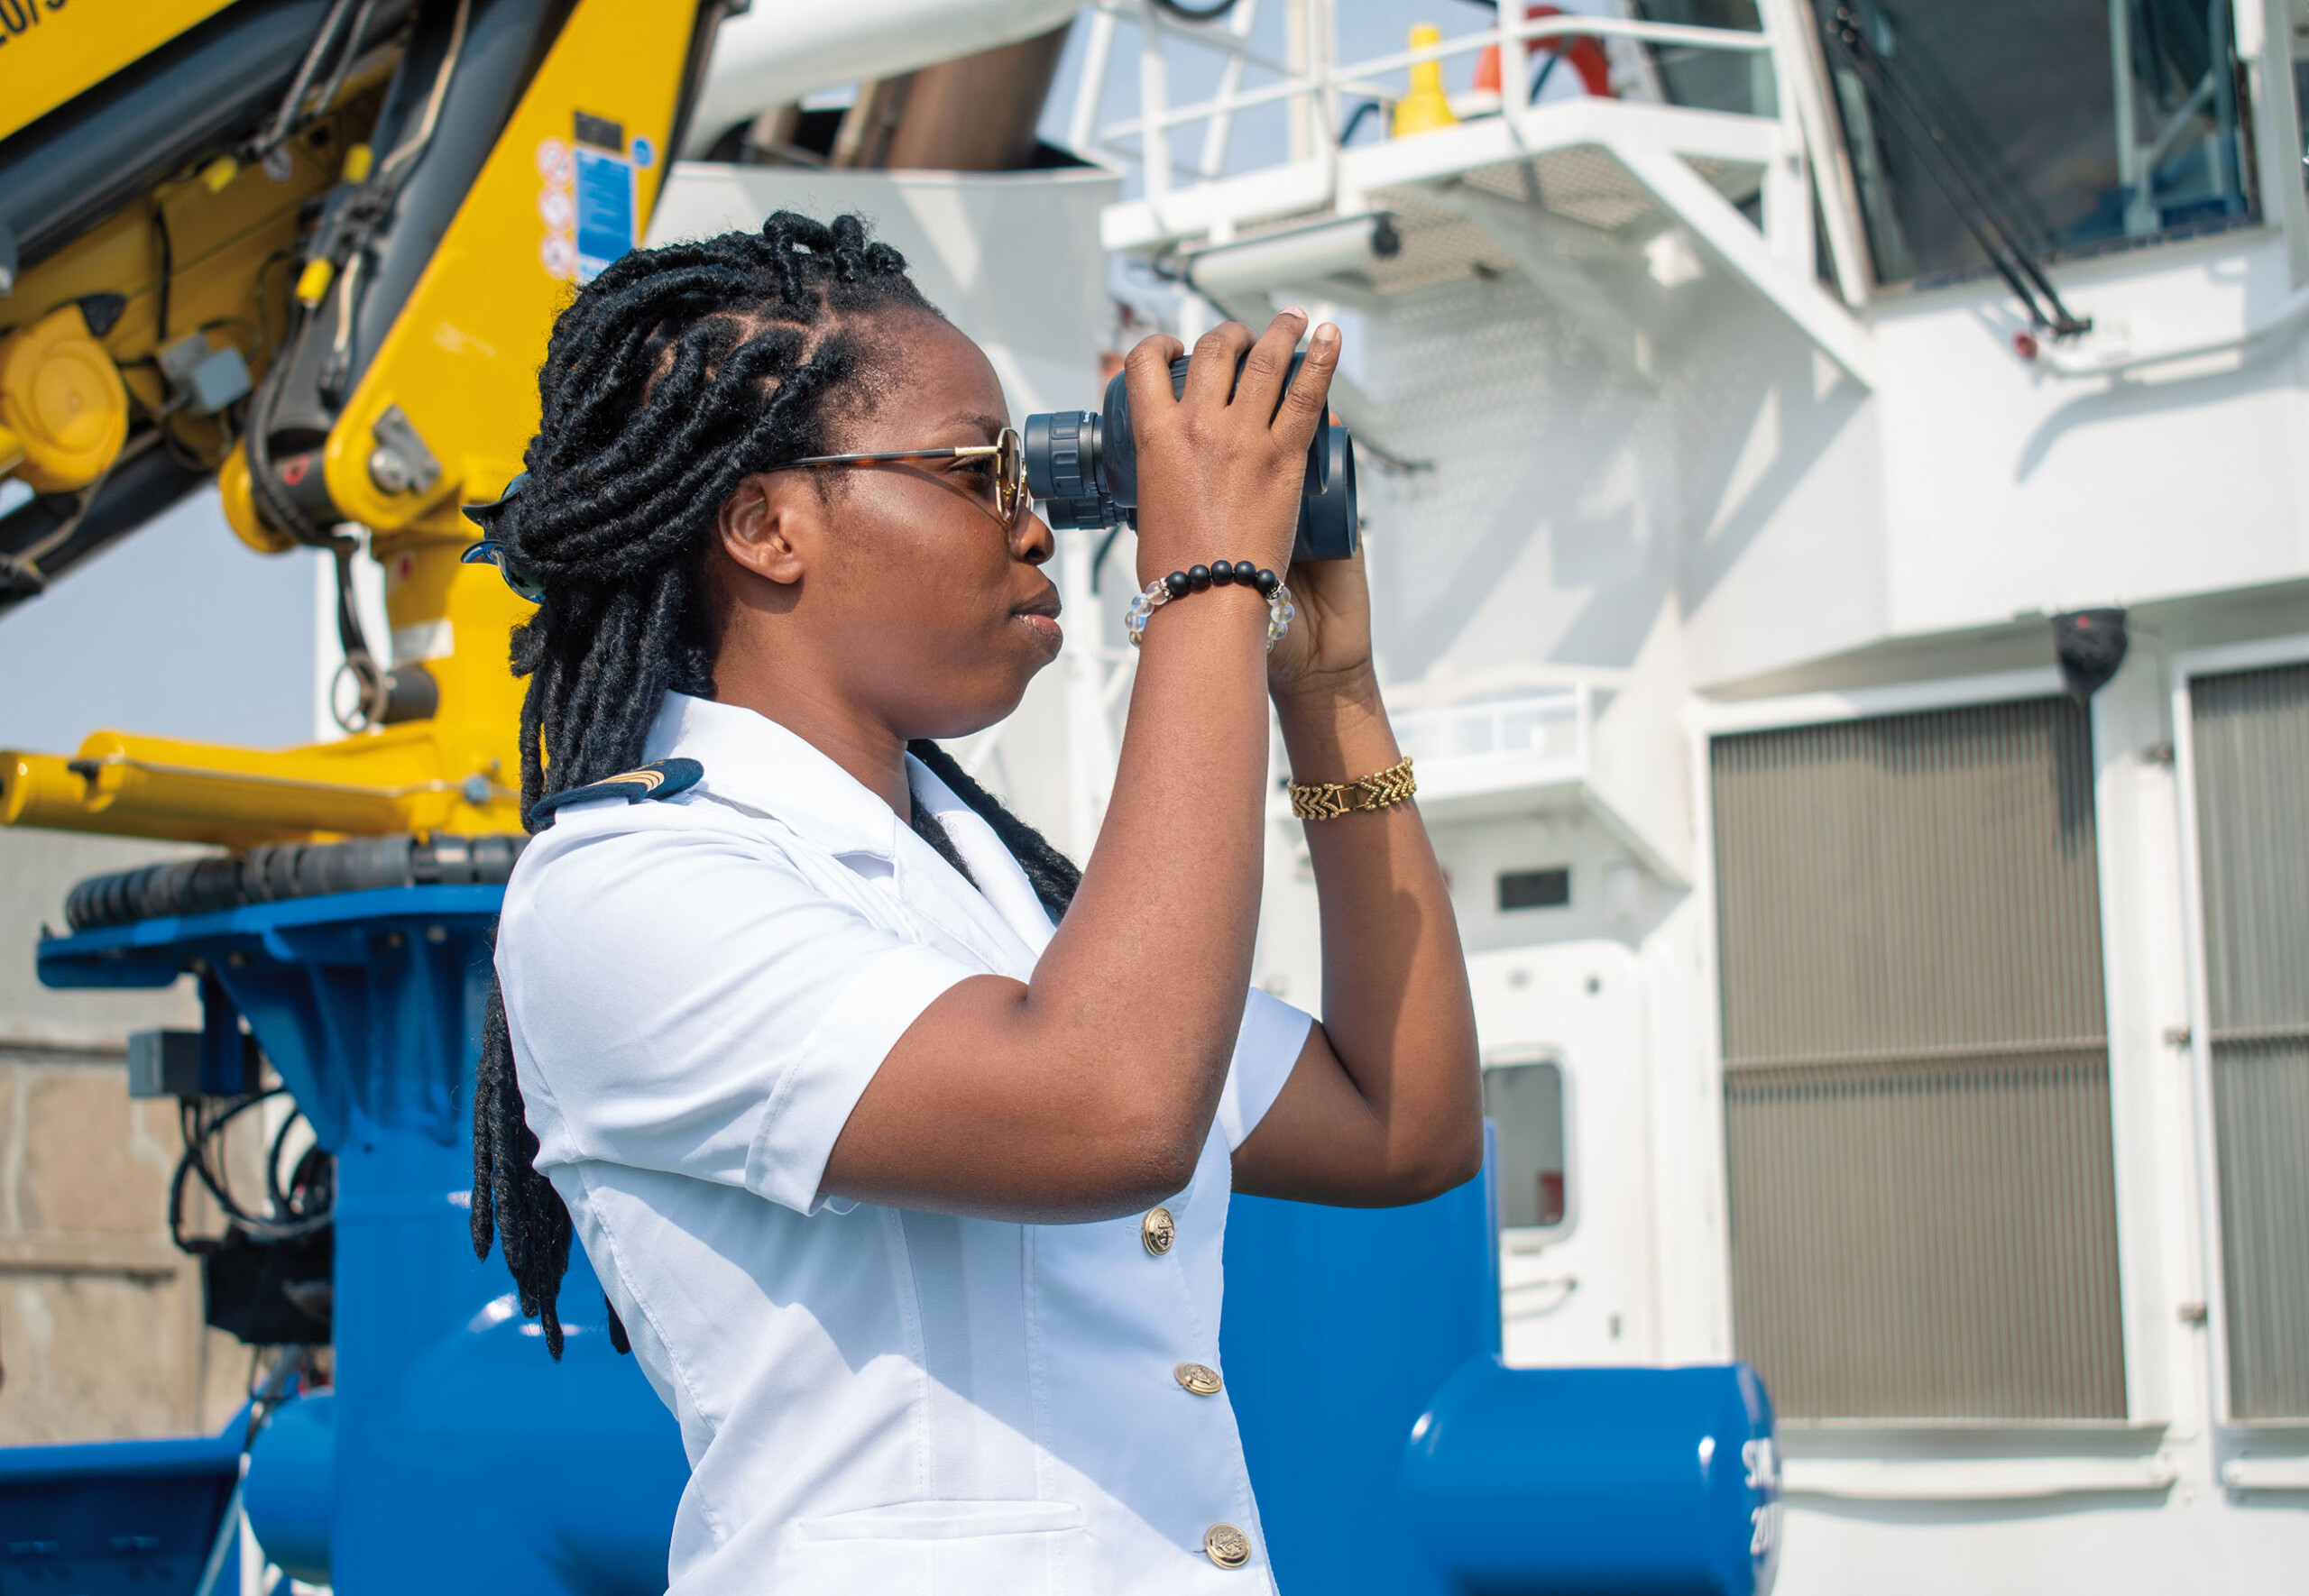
[[1327, 801]]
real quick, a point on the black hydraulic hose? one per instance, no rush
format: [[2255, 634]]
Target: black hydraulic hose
[[286, 116], [200, 1127], [282, 510], [347, 55]]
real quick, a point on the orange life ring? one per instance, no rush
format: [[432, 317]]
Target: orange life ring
[[1583, 51]]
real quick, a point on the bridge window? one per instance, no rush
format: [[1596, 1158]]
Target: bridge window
[[2038, 116], [1711, 79]]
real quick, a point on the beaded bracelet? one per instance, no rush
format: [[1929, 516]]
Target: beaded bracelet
[[1194, 579]]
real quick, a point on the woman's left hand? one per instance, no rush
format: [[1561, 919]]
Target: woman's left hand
[[1329, 641]]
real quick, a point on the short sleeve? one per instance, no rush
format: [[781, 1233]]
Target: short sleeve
[[688, 1000], [1267, 1048]]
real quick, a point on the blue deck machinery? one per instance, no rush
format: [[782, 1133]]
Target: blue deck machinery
[[1392, 1451]]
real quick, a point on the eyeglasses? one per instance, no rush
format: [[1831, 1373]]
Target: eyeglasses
[[489, 551], [1008, 453]]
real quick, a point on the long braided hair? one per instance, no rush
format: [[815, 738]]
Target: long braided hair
[[669, 378]]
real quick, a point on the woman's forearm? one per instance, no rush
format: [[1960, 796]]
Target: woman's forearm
[[1395, 1003], [1157, 943]]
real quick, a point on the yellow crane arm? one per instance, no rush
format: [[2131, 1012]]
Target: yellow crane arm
[[404, 387]]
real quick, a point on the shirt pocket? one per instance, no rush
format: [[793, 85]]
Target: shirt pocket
[[935, 1548]]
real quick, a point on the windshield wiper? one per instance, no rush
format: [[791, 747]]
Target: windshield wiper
[[1951, 172]]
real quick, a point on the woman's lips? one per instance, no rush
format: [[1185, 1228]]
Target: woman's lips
[[1045, 627]]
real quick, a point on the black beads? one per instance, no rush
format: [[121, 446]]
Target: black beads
[[1178, 584], [1246, 573], [1222, 574], [1267, 581], [1197, 577]]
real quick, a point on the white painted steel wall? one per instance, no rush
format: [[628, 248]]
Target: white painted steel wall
[[1756, 541]]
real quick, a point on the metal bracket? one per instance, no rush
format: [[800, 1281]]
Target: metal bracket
[[401, 464]]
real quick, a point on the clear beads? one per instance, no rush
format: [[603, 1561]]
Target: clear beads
[[1280, 611], [1143, 607]]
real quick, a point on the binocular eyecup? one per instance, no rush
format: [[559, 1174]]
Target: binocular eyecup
[[1083, 466]]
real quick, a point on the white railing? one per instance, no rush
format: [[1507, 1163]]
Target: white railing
[[1548, 728], [1309, 79]]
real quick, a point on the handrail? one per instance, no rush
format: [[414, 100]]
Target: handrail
[[1331, 78], [1745, 39], [2247, 342], [1222, 41], [1497, 722]]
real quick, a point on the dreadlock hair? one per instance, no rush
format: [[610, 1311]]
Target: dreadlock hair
[[670, 377]]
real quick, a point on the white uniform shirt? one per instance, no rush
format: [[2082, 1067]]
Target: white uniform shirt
[[875, 1402]]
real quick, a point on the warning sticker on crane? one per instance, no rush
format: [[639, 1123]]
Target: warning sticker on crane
[[605, 210], [554, 165]]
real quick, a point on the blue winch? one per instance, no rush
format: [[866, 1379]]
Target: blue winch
[[1391, 1449]]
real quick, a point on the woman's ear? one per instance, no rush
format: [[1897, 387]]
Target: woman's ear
[[768, 526]]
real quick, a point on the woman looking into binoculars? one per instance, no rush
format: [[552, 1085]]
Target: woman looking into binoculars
[[901, 1148]]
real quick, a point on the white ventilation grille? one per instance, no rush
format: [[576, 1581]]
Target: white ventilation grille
[[1916, 1067], [2251, 733]]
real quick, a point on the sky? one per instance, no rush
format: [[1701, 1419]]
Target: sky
[[179, 630]]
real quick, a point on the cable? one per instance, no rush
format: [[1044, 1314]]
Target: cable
[[1355, 120], [168, 270], [1540, 77], [312, 1189], [202, 1123], [277, 131], [410, 148], [21, 571], [268, 344], [345, 58], [358, 217]]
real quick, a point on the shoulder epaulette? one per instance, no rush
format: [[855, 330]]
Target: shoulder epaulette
[[662, 779]]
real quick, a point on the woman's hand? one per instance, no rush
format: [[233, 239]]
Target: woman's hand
[[1220, 467], [1328, 645]]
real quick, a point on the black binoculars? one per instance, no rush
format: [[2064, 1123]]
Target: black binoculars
[[1083, 465]]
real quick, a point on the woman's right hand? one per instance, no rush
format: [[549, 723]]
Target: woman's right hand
[[1221, 472]]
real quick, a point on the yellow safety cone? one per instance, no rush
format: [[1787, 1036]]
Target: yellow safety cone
[[1426, 107]]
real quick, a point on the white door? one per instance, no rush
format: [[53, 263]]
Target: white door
[[1566, 1086]]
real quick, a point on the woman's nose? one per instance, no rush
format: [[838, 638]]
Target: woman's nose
[[1030, 537]]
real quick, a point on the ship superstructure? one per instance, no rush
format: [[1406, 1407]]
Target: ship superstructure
[[1842, 568]]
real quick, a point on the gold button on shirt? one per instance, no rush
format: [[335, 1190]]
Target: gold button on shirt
[[1227, 1545], [1200, 1379], [1158, 1230]]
